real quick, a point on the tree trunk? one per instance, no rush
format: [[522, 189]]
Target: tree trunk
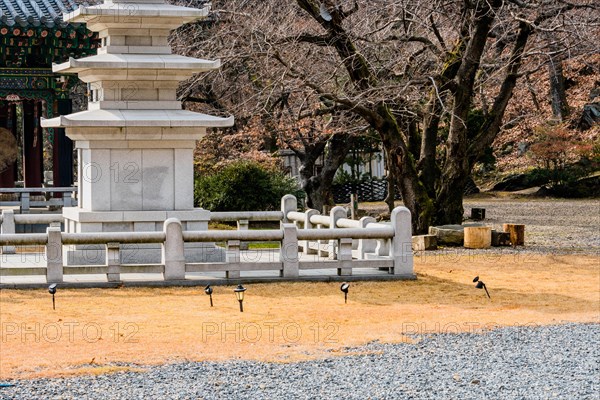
[[449, 208], [429, 172], [414, 194], [390, 181], [318, 187], [558, 96]]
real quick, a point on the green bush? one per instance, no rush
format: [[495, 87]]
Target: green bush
[[243, 186]]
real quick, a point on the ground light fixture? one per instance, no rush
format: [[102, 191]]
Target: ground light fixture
[[52, 291], [344, 288], [209, 291], [481, 285], [239, 294]]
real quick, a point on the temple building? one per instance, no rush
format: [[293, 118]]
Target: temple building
[[33, 35]]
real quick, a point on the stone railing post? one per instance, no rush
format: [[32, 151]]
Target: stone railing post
[[67, 200], [54, 256], [8, 228], [232, 256], [383, 247], [288, 203], [172, 250], [336, 213], [321, 244], [344, 256], [308, 225], [25, 203], [242, 225], [113, 261], [366, 245], [401, 246], [289, 251]]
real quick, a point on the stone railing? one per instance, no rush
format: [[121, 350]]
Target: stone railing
[[378, 246], [26, 200]]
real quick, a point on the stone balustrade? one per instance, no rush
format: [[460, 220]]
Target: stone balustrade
[[26, 200], [377, 245]]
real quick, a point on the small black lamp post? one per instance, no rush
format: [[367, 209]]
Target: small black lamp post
[[344, 288], [481, 285], [209, 291], [239, 293], [52, 291]]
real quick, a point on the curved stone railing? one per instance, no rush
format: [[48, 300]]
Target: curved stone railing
[[378, 245]]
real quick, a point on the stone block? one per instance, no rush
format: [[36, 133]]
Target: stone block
[[451, 235], [424, 242]]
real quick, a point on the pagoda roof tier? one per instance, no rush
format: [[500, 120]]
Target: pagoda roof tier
[[137, 61], [135, 15], [148, 118]]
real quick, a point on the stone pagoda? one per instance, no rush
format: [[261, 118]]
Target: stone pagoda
[[135, 143]]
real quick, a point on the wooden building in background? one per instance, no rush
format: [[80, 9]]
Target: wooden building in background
[[32, 37]]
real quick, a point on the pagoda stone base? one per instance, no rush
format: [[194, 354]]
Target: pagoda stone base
[[81, 221]]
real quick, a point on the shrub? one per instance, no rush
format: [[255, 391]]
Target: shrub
[[556, 152], [243, 186]]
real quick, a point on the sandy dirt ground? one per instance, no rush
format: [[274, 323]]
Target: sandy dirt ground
[[94, 331]]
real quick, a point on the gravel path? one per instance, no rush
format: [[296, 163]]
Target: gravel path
[[510, 363], [551, 226]]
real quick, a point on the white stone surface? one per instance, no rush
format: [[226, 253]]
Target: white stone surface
[[184, 179], [148, 117], [197, 215], [158, 180], [135, 144], [103, 61], [125, 174]]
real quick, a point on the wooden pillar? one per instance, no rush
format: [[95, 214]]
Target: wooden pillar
[[8, 117], [62, 160], [32, 145]]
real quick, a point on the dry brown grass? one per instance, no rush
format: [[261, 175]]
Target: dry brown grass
[[296, 320]]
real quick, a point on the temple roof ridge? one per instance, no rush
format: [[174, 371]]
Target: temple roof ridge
[[34, 13]]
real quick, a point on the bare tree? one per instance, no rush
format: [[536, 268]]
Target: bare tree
[[432, 78]]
